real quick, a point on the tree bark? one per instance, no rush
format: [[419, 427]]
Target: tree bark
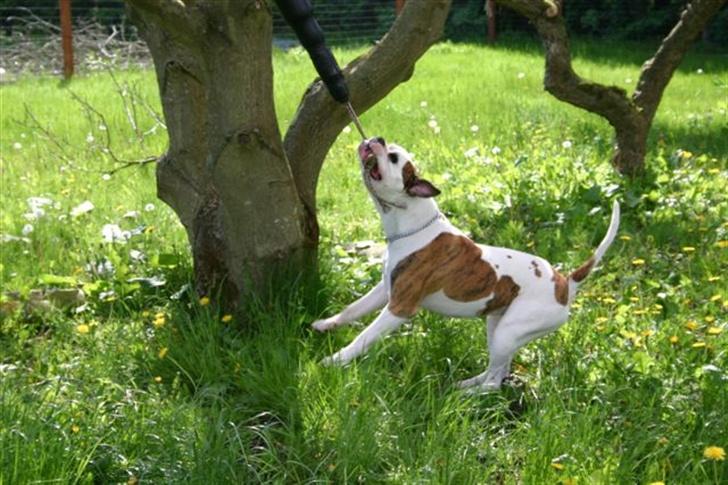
[[246, 198], [630, 116]]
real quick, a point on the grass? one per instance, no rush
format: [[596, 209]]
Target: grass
[[144, 384]]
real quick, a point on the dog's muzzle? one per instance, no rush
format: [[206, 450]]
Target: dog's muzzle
[[369, 158]]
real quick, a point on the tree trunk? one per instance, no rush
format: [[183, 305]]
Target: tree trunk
[[247, 199], [225, 173], [632, 116]]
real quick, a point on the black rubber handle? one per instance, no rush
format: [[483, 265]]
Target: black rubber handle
[[299, 15]]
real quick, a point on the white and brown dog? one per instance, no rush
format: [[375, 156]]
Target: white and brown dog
[[430, 264]]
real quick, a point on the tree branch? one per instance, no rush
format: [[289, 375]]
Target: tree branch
[[319, 119], [657, 72]]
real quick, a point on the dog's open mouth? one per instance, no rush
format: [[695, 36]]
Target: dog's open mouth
[[369, 160]]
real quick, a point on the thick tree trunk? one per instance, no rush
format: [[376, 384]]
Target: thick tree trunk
[[225, 173], [632, 116]]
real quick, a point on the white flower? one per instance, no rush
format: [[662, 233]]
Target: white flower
[[102, 127], [347, 129], [17, 145], [699, 71], [113, 233], [474, 128], [471, 152], [137, 255], [423, 104], [131, 215], [82, 208], [521, 75], [495, 150], [27, 229], [566, 144], [90, 138], [436, 130], [432, 123], [149, 207], [36, 204], [106, 176]]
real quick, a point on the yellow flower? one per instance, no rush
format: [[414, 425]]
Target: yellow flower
[[557, 466], [75, 428], [716, 298], [158, 379], [709, 319], [227, 318], [625, 238], [722, 244], [601, 319], [640, 312], [648, 332], [674, 339], [159, 321], [568, 481], [713, 171], [634, 299], [145, 313], [656, 483], [83, 329], [163, 352], [638, 262], [691, 325], [159, 315], [608, 300], [714, 453], [688, 249], [204, 301], [714, 330], [132, 480], [713, 278], [698, 345]]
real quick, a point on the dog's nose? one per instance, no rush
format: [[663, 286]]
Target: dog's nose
[[381, 141]]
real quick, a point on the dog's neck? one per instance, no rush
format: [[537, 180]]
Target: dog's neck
[[397, 220]]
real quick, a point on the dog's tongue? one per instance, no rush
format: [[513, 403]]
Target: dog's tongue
[[374, 172]]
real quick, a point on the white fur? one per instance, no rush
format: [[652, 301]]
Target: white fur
[[533, 313]]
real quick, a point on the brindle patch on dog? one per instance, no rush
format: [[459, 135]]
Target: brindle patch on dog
[[454, 265]]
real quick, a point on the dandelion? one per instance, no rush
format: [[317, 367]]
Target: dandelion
[[722, 244], [625, 238], [111, 233], [685, 154], [159, 321], [106, 177], [674, 339], [713, 171], [688, 249], [656, 483], [158, 379], [568, 481], [638, 262], [601, 319], [27, 229], [432, 123], [227, 318], [698, 345], [566, 144], [691, 325], [714, 453], [423, 104], [204, 301], [634, 299], [709, 319], [163, 352], [495, 150], [714, 330], [17, 145], [557, 466], [83, 329], [75, 428], [82, 208], [474, 128], [90, 138]]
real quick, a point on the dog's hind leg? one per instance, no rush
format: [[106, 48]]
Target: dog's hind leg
[[381, 326], [374, 300], [492, 322]]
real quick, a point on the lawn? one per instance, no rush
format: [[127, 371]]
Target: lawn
[[144, 382]]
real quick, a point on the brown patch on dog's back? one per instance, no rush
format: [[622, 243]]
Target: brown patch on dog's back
[[582, 271], [449, 263], [561, 288]]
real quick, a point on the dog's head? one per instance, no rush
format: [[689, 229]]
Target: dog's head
[[389, 173]]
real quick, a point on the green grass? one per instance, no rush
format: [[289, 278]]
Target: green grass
[[626, 392]]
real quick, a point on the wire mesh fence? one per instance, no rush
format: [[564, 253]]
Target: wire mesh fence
[[29, 36]]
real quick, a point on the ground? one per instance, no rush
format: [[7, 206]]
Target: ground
[[145, 382]]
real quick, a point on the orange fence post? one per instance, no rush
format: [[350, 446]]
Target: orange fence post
[[67, 38], [490, 12]]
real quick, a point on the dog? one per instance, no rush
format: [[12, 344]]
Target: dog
[[431, 264]]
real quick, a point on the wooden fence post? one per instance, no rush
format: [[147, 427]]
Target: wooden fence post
[[398, 6], [67, 38], [490, 13]]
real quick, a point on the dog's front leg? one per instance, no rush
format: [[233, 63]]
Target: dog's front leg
[[374, 300], [381, 326]]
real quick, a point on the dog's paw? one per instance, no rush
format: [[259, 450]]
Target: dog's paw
[[324, 325], [335, 360]]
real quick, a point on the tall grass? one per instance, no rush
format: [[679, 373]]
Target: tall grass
[[147, 384]]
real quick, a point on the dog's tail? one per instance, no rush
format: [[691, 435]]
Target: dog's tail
[[580, 273]]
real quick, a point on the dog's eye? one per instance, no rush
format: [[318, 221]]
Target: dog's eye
[[393, 158]]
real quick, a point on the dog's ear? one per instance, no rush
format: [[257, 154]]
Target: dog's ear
[[422, 188]]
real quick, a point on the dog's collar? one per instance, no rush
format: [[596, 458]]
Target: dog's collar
[[403, 235]]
